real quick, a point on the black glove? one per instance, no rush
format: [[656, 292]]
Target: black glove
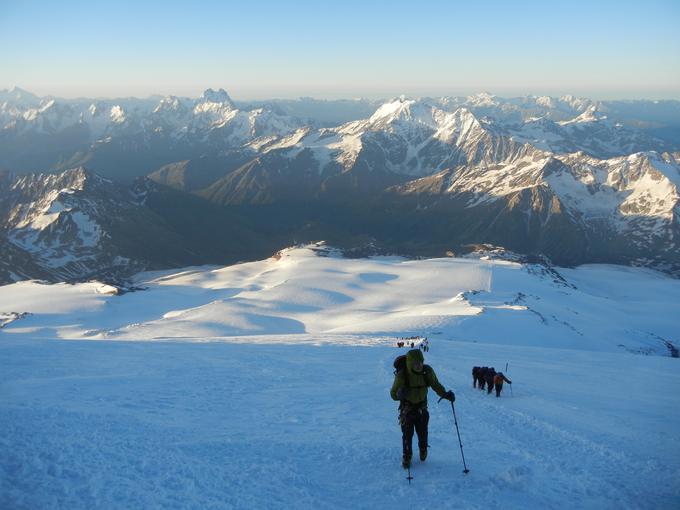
[[401, 393], [450, 396]]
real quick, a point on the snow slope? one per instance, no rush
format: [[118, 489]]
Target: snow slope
[[221, 425], [275, 390], [314, 292]]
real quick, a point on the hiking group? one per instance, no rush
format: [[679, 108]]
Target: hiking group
[[423, 343], [412, 378], [487, 376]]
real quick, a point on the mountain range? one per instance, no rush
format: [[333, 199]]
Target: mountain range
[[104, 188]]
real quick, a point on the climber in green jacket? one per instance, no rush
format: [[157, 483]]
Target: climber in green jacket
[[410, 389]]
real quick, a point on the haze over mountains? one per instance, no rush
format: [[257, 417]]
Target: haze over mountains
[[104, 188]]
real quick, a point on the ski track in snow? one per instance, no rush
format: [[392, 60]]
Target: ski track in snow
[[182, 425]]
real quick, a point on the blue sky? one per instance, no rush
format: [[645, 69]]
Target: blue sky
[[345, 48]]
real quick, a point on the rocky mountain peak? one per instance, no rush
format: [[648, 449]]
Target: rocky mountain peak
[[216, 96]]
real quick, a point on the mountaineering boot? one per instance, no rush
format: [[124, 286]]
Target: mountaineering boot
[[406, 461], [423, 454]]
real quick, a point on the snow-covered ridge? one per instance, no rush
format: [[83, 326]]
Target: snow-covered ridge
[[47, 219], [420, 137], [589, 115], [644, 184], [404, 136], [173, 116], [322, 298], [622, 191], [572, 123], [59, 226]]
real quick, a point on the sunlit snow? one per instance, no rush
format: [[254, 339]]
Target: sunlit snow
[[266, 385]]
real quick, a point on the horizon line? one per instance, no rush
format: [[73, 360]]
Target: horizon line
[[349, 97]]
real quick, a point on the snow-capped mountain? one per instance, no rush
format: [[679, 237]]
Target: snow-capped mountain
[[523, 108], [16, 100], [404, 136], [628, 205], [76, 225], [574, 179], [590, 132], [127, 138], [403, 139], [214, 119], [644, 184], [408, 138]]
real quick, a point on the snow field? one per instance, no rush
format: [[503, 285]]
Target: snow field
[[324, 298], [266, 385], [224, 425]]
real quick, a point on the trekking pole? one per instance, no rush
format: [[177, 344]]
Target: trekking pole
[[409, 477], [460, 443]]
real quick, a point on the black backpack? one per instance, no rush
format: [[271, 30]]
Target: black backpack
[[399, 364]]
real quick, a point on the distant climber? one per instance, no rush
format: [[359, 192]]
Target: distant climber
[[411, 380], [475, 376], [481, 377], [498, 382], [488, 379]]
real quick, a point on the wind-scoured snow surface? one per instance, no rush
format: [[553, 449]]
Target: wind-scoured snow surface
[[266, 385]]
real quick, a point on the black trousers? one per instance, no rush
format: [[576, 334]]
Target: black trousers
[[414, 420]]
